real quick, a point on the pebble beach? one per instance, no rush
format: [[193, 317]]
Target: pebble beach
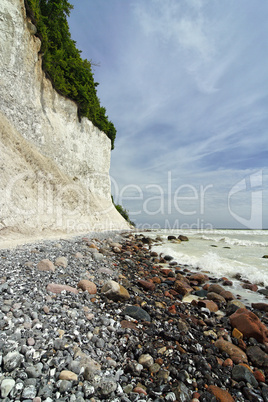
[[104, 317]]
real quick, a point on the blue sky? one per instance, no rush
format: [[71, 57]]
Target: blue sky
[[185, 84]]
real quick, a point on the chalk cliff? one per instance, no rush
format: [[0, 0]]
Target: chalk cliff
[[54, 170]]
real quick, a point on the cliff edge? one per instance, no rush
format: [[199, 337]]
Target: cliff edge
[[54, 169]]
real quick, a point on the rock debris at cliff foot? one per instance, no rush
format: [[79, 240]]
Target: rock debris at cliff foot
[[89, 319]]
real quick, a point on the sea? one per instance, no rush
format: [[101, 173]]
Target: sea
[[221, 253]]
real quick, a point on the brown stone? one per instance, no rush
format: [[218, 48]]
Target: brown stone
[[216, 297], [260, 306], [88, 286], [220, 394], [46, 265], [235, 353], [215, 288], [147, 285], [68, 375], [128, 324], [249, 324], [200, 278], [182, 287], [58, 288], [227, 295], [250, 286], [209, 304]]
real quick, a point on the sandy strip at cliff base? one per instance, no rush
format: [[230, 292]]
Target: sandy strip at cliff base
[[11, 239]]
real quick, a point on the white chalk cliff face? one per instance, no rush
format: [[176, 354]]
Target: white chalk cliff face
[[54, 170]]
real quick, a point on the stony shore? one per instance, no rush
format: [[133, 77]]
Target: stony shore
[[89, 319]]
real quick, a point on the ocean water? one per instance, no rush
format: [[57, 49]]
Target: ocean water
[[222, 253]]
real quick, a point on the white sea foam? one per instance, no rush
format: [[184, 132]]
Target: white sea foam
[[234, 252]]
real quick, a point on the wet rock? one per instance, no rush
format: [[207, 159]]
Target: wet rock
[[183, 287], [235, 353], [183, 238], [137, 312], [249, 324], [257, 356], [242, 373], [200, 278], [216, 298], [260, 306], [209, 304], [250, 286], [114, 291]]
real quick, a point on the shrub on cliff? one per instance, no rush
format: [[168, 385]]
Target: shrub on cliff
[[70, 75]]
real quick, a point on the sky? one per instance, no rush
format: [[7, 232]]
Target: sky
[[185, 84]]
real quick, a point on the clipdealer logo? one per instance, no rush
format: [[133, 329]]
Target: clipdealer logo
[[253, 186]]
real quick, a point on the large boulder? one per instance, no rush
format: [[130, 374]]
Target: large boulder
[[249, 324]]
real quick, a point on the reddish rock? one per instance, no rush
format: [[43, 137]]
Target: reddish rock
[[147, 285], [57, 288], [200, 278], [260, 377], [140, 390], [172, 309], [235, 353], [88, 286], [46, 265], [250, 286], [260, 306], [249, 324], [220, 394], [183, 288], [166, 271], [209, 304], [167, 294], [156, 279], [228, 363]]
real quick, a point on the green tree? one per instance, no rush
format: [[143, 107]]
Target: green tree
[[70, 75]]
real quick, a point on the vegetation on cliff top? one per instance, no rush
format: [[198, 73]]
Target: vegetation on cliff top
[[70, 75]]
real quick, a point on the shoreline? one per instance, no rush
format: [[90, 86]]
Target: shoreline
[[135, 338]]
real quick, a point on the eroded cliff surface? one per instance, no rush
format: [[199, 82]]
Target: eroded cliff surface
[[54, 170]]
